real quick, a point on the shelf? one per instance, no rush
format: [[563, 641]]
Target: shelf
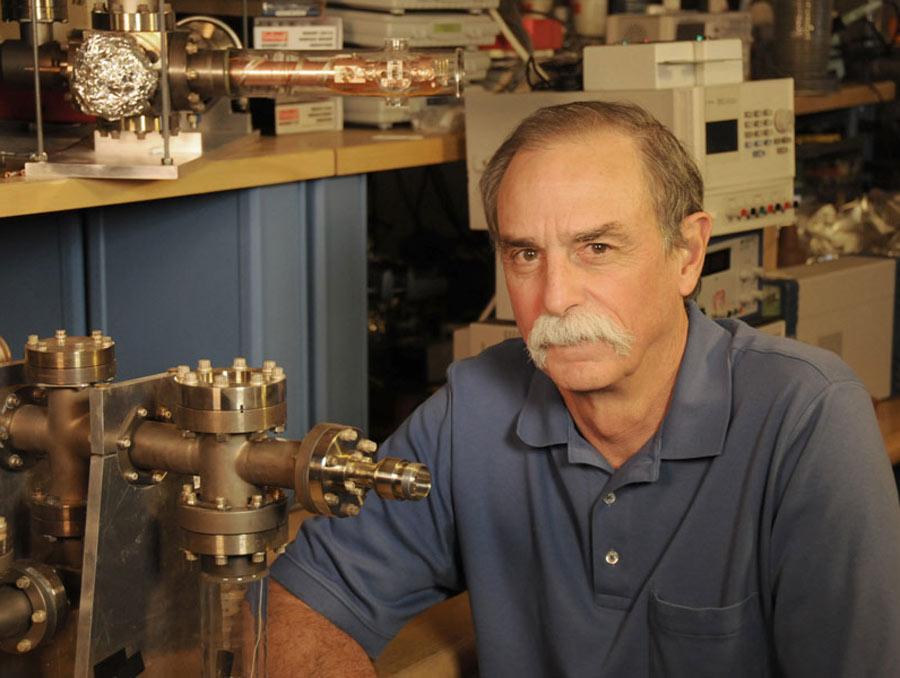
[[244, 163], [846, 97]]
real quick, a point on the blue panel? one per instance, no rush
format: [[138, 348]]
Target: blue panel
[[163, 281], [42, 277], [338, 312], [274, 290]]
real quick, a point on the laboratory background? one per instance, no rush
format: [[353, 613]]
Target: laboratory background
[[241, 240]]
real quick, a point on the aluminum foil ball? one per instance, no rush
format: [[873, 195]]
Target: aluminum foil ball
[[112, 77]]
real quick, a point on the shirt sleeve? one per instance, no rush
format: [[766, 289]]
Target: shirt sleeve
[[371, 573], [835, 544]]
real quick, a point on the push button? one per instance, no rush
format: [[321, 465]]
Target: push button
[[610, 498]]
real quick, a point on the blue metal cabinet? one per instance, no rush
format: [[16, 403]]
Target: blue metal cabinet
[[269, 273]]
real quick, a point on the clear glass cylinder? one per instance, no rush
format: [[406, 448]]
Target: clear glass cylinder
[[393, 72], [233, 625]]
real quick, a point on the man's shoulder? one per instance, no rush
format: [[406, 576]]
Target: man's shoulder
[[501, 368], [783, 359]]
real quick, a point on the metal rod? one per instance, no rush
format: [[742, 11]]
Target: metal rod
[[244, 35], [38, 113], [164, 79]]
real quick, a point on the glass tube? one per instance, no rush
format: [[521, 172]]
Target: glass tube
[[233, 625], [393, 72]]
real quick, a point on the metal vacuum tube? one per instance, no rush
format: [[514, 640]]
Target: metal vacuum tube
[[45, 446], [234, 512]]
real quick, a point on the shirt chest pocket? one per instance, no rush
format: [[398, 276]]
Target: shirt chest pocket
[[714, 642]]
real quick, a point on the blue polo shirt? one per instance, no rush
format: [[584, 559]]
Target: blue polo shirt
[[757, 533]]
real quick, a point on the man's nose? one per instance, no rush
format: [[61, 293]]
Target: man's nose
[[562, 288]]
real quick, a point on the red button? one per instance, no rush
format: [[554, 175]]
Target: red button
[[743, 212]]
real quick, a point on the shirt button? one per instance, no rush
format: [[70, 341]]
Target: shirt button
[[610, 498], [612, 557]]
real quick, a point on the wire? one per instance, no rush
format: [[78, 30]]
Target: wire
[[515, 44]]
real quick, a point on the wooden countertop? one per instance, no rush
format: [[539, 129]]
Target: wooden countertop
[[249, 161], [845, 97]]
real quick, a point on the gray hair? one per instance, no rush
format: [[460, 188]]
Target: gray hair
[[673, 180]]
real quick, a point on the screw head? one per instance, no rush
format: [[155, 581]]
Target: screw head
[[132, 476], [15, 461], [23, 583], [142, 412], [24, 645], [281, 549], [39, 617], [158, 476], [12, 401], [33, 340], [352, 510], [124, 443]]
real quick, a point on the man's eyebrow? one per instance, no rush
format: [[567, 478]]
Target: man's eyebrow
[[514, 243], [615, 229]]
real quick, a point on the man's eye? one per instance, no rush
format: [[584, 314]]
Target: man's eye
[[526, 255], [598, 248]]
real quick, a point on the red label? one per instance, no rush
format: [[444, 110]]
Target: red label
[[289, 115], [274, 36]]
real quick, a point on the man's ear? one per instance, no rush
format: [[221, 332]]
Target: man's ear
[[695, 230]]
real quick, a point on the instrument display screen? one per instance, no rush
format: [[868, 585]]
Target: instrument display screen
[[721, 136]]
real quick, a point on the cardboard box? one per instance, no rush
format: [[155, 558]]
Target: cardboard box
[[472, 340]]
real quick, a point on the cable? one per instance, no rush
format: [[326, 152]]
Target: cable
[[515, 44]]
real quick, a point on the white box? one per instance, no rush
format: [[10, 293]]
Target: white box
[[421, 29], [319, 114], [307, 33], [847, 306], [662, 65]]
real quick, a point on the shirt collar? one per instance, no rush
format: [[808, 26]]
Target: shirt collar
[[698, 414]]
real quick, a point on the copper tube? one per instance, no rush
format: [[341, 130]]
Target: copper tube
[[268, 462], [69, 446], [385, 74], [162, 447], [28, 429]]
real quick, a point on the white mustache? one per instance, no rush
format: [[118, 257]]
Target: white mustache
[[580, 325]]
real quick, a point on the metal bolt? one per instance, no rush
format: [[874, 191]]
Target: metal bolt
[[194, 98], [24, 645], [190, 499], [278, 429], [187, 489], [256, 500], [220, 504], [221, 560], [366, 445], [39, 617], [132, 476], [352, 510], [190, 379], [165, 413], [97, 336], [277, 372], [15, 461], [191, 48], [60, 335], [33, 339], [23, 583], [356, 456], [349, 435], [189, 556], [257, 379], [204, 365], [124, 443], [259, 557], [268, 366], [79, 345], [4, 434], [158, 476], [240, 364], [220, 380], [331, 499], [281, 549], [12, 401], [107, 342], [182, 370], [142, 412], [191, 74], [350, 485]]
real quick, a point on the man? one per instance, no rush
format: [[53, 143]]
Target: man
[[645, 492]]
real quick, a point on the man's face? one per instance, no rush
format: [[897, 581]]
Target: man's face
[[578, 232]]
